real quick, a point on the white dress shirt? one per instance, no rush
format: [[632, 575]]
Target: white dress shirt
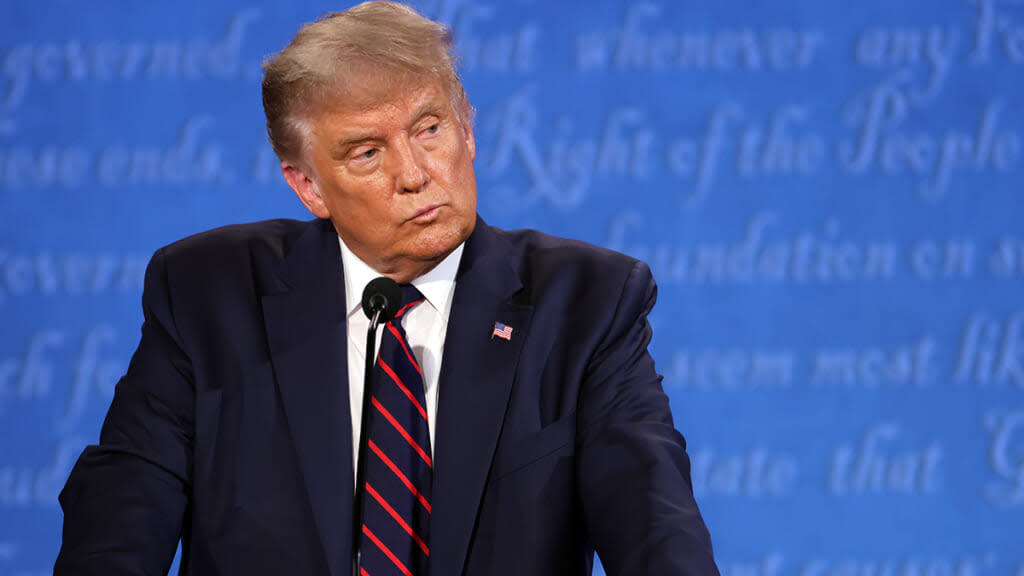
[[425, 327]]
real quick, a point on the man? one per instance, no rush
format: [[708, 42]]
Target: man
[[543, 429]]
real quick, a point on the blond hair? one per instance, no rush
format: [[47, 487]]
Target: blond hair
[[327, 58]]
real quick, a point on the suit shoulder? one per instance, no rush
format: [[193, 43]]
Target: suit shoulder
[[542, 252], [242, 256], [274, 235], [560, 277], [565, 272]]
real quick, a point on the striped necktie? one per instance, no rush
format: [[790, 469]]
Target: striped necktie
[[399, 467]]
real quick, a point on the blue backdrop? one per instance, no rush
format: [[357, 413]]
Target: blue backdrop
[[829, 194]]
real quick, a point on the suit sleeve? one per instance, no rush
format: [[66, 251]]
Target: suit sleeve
[[634, 473], [127, 498]]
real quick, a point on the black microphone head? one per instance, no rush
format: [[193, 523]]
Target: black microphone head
[[384, 295]]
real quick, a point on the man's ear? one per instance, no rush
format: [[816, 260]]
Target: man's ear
[[301, 181], [467, 129], [470, 140]]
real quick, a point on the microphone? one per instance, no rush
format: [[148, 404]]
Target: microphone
[[382, 298]]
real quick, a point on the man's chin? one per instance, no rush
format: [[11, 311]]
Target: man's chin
[[439, 240], [431, 249], [435, 254]]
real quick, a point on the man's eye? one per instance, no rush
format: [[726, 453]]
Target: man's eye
[[368, 155], [432, 129]]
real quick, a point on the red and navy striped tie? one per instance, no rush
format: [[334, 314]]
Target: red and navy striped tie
[[399, 467]]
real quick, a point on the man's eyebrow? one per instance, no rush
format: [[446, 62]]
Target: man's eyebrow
[[428, 108], [345, 143]]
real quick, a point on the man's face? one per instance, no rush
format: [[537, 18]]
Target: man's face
[[395, 176]]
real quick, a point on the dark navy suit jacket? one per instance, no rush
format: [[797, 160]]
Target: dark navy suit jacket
[[231, 429]]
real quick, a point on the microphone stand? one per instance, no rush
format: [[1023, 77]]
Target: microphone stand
[[357, 512]]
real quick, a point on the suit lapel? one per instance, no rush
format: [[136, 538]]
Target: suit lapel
[[476, 379], [305, 324]]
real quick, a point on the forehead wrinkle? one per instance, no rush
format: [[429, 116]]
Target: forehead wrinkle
[[355, 125], [423, 100]]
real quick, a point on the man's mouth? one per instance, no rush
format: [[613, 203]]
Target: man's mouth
[[426, 213]]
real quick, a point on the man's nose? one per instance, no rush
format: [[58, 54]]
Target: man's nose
[[410, 166]]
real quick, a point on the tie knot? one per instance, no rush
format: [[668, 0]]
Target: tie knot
[[410, 297]]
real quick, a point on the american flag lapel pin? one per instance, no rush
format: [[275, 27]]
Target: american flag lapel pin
[[502, 331]]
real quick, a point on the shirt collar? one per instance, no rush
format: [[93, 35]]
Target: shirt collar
[[437, 286]]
